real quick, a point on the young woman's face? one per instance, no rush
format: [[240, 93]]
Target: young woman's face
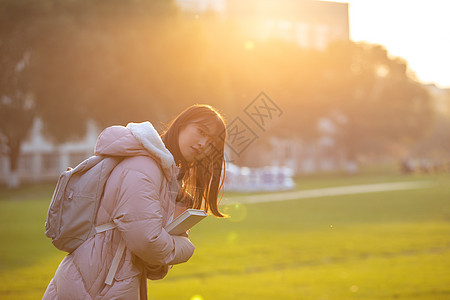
[[194, 139]]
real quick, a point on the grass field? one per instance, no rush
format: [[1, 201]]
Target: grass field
[[385, 245]]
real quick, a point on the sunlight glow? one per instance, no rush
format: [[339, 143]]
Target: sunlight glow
[[249, 45], [236, 211], [418, 31]]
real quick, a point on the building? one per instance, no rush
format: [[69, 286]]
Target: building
[[195, 7], [309, 23]]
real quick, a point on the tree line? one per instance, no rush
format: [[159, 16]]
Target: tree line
[[118, 61]]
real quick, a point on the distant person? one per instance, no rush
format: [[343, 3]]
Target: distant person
[[425, 165], [159, 177], [407, 166]]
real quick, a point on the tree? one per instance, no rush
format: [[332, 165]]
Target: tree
[[17, 102], [63, 61], [116, 62], [373, 99]]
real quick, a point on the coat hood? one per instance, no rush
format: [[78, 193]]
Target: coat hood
[[135, 139]]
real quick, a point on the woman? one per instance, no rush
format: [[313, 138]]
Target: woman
[[158, 178]]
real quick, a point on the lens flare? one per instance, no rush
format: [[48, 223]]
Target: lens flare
[[232, 237], [237, 211], [354, 288]]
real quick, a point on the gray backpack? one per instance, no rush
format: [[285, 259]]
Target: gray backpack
[[75, 202]]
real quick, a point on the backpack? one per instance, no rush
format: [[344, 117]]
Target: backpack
[[75, 202]]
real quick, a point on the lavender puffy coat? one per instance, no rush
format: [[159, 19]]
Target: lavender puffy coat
[[140, 199]]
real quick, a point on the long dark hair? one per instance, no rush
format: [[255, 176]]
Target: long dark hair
[[203, 179]]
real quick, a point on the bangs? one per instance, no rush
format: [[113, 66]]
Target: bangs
[[214, 124]]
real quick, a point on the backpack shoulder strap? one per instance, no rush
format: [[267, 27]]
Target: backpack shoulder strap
[[105, 227], [117, 256]]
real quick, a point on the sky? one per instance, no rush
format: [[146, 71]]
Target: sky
[[416, 30]]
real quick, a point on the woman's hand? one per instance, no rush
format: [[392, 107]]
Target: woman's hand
[[186, 234]]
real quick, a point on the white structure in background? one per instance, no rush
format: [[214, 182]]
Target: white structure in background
[[322, 154], [41, 160], [243, 179]]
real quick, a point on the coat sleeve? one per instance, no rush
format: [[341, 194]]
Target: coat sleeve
[[153, 272], [139, 216]]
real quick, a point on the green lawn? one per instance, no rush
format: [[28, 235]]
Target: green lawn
[[386, 245]]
